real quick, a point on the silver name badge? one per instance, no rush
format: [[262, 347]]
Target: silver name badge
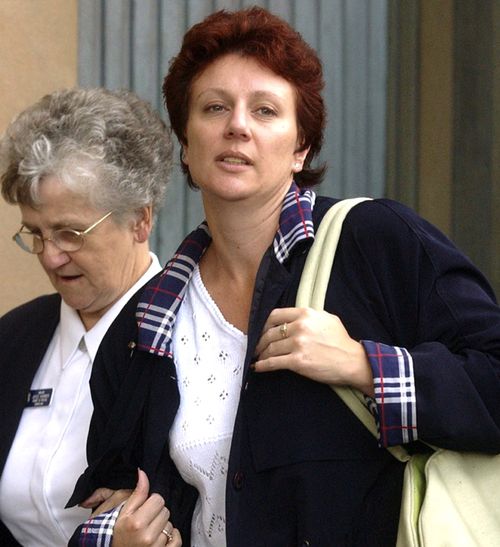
[[39, 397]]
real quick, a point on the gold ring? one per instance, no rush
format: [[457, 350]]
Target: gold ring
[[170, 537], [284, 330]]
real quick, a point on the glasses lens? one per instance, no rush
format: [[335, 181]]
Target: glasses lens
[[67, 240], [29, 242]]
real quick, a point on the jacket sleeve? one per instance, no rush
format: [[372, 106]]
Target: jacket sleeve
[[135, 398], [116, 386], [437, 306], [111, 452]]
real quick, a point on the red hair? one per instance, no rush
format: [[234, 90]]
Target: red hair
[[255, 33]]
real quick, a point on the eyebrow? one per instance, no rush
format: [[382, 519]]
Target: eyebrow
[[58, 226], [255, 94]]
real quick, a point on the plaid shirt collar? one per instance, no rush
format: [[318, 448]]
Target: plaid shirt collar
[[157, 308]]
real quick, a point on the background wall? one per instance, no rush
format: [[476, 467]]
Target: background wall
[[38, 52], [443, 142]]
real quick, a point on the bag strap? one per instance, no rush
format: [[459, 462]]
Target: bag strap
[[312, 292]]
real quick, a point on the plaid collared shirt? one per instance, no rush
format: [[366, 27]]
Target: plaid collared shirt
[[394, 407], [395, 410]]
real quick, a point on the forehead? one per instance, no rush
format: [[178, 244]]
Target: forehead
[[235, 73], [57, 205]]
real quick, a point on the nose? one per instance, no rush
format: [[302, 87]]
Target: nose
[[237, 124], [52, 257]]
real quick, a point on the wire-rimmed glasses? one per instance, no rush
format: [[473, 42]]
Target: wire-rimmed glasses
[[65, 239]]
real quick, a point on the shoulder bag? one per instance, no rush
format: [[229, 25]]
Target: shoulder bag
[[450, 499]]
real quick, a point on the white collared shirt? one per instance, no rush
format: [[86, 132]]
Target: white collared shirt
[[48, 452]]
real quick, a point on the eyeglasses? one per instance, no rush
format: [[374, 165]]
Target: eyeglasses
[[65, 239]]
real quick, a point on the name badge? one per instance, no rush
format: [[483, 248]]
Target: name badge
[[39, 397]]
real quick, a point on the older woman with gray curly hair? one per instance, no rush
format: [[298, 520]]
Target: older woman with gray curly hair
[[88, 170]]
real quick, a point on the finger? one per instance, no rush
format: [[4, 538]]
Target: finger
[[139, 495], [166, 533], [272, 337], [97, 497], [151, 515], [274, 329], [279, 362], [163, 529], [277, 327], [282, 346], [113, 501], [174, 540], [279, 316], [143, 526]]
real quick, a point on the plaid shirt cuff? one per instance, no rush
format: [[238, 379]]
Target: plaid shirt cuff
[[98, 531], [395, 407]]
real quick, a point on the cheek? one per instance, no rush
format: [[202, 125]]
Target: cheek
[[197, 148], [285, 140], [97, 267], [102, 282], [40, 261], [284, 149], [197, 158]]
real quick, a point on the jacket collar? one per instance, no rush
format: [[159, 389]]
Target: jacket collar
[[158, 305]]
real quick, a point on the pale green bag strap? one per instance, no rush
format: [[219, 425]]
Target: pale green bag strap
[[312, 292]]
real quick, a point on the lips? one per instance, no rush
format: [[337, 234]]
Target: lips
[[234, 158], [235, 161], [69, 277]]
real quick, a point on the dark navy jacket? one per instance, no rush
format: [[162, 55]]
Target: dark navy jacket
[[25, 334], [303, 470]]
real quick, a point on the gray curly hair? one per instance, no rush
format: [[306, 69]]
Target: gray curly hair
[[111, 147]]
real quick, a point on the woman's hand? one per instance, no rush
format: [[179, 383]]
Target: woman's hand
[[314, 344], [143, 519]]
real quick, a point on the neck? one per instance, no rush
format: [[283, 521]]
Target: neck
[[241, 233], [139, 263], [240, 237]]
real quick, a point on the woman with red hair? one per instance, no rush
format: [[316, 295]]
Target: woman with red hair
[[219, 388]]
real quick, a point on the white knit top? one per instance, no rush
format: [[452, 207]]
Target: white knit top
[[209, 355]]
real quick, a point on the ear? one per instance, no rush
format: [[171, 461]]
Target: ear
[[299, 157], [184, 154], [143, 224]]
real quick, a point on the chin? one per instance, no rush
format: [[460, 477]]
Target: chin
[[230, 191], [78, 301], [77, 305]]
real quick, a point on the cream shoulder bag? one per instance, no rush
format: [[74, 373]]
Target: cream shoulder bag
[[450, 499]]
